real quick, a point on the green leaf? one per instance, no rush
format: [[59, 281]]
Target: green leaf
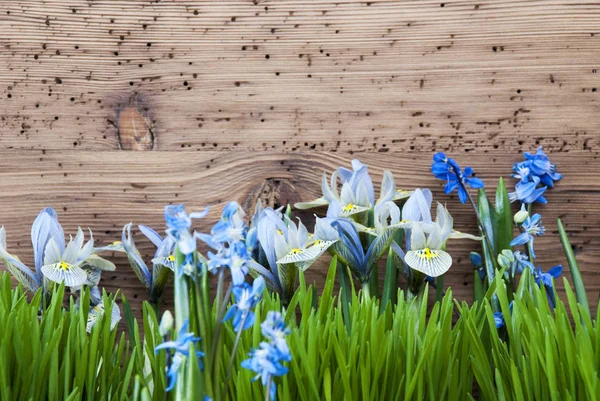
[[503, 215], [390, 283], [573, 268]]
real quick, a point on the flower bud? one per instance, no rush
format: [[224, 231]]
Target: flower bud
[[475, 260], [521, 215], [506, 258], [166, 324]]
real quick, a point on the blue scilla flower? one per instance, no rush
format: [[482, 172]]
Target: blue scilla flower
[[266, 363], [267, 359], [540, 166], [246, 298], [545, 279], [181, 346], [274, 329], [531, 228], [447, 169], [499, 317], [179, 224], [528, 192], [235, 257], [521, 262]]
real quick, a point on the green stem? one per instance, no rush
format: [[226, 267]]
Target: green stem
[[268, 389], [233, 350], [366, 289], [182, 310]]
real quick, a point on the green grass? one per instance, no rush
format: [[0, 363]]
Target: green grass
[[52, 357]]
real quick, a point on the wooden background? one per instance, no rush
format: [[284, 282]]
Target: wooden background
[[111, 109]]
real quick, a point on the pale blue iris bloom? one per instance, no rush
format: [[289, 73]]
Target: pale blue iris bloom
[[185, 340], [287, 247], [357, 194], [73, 264], [163, 262], [246, 298]]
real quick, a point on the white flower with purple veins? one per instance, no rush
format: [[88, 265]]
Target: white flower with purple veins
[[287, 248], [63, 264], [97, 311], [357, 194]]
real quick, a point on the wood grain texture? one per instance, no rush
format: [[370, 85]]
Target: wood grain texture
[[105, 190], [254, 99], [295, 75]]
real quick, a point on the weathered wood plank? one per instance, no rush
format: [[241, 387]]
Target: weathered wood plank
[[298, 75], [105, 190]]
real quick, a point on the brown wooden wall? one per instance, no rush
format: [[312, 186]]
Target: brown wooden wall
[[110, 109]]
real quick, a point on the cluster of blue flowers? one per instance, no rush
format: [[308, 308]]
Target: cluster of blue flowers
[[447, 169], [267, 360], [535, 175]]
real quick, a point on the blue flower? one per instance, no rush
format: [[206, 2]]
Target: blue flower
[[246, 298], [181, 346], [266, 360], [528, 192], [531, 227], [499, 317], [532, 172], [545, 279], [275, 330], [540, 166], [445, 168], [521, 262], [179, 225]]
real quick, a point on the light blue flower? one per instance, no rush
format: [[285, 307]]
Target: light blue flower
[[246, 298], [232, 241], [266, 360], [531, 228], [287, 247], [499, 317], [532, 172], [445, 168], [275, 330], [179, 225], [357, 194], [181, 346], [540, 166], [528, 192]]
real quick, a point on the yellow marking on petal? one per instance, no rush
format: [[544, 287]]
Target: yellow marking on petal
[[171, 258], [349, 207], [65, 266], [279, 232], [116, 243], [427, 254], [295, 251], [317, 242]]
